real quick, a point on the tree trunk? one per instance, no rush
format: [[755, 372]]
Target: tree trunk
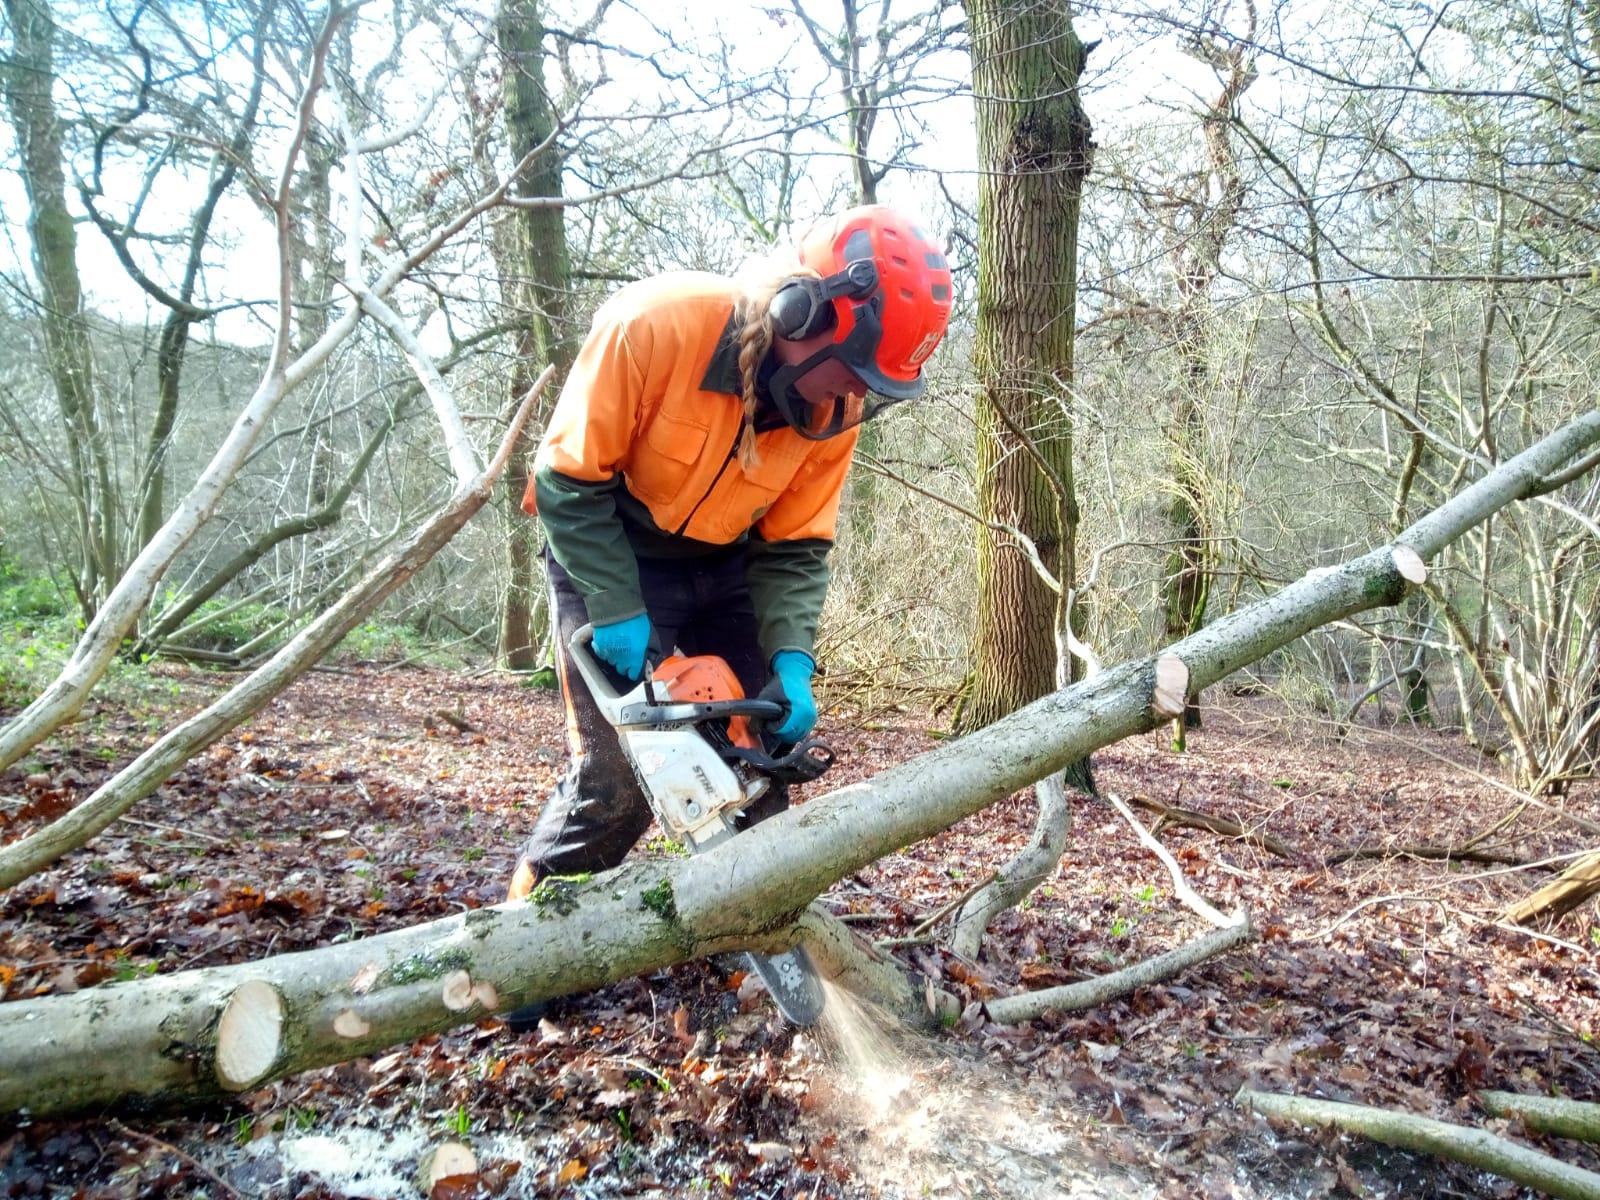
[[1034, 150], [160, 1037], [537, 279], [28, 78]]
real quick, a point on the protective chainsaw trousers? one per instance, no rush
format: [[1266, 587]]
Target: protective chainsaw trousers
[[598, 811]]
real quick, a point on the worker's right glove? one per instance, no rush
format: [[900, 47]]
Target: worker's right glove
[[621, 645], [791, 685]]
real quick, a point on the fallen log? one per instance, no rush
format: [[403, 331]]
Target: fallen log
[[1561, 895], [1565, 1118], [1474, 1147], [158, 1037]]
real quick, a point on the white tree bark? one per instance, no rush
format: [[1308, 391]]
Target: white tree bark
[[1472, 1146], [1086, 993], [1023, 873], [159, 1037], [138, 779]]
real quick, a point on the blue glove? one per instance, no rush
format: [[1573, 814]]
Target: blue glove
[[791, 685], [621, 645]]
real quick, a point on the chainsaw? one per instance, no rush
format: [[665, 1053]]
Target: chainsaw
[[698, 748]]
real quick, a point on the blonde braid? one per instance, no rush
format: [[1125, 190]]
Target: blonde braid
[[760, 282], [755, 339]]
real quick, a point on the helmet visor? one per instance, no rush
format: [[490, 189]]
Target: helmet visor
[[834, 414]]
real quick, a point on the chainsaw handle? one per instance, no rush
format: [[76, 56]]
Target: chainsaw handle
[[598, 680]]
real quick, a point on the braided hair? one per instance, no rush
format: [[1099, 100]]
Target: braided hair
[[759, 282]]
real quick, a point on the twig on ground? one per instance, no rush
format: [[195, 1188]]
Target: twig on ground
[[1009, 1010], [1172, 815], [188, 833], [193, 1164], [1434, 853], [949, 906], [1509, 819], [1180, 886]]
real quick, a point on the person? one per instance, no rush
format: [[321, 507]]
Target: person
[[689, 482]]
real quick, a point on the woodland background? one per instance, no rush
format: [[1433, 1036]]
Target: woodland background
[[1242, 291]]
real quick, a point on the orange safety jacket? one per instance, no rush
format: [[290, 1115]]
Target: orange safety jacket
[[640, 459], [654, 396]]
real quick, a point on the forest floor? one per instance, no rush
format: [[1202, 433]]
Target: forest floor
[[352, 806]]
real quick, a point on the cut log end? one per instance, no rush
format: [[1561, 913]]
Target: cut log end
[[1171, 691], [1410, 565], [447, 1160], [350, 1024], [457, 992], [249, 1035]]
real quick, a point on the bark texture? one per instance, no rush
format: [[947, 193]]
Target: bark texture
[[1034, 148]]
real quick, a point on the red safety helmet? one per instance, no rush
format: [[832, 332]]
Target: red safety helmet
[[884, 291]]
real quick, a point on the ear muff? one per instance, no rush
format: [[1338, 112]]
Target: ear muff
[[803, 307]]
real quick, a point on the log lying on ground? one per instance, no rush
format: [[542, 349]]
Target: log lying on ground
[[1086, 993], [145, 774], [1564, 1118], [1562, 894], [1431, 853], [1471, 1146], [224, 1030], [158, 1036]]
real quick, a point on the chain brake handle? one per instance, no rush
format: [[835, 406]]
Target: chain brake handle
[[801, 763]]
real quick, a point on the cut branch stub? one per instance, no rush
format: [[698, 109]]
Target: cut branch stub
[[350, 1024], [1171, 691], [448, 1160], [1410, 565], [457, 992], [249, 1035]]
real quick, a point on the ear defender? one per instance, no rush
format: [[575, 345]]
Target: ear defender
[[803, 307]]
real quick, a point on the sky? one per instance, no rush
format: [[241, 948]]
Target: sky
[[1130, 81]]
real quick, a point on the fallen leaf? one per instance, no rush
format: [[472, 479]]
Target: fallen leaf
[[573, 1171]]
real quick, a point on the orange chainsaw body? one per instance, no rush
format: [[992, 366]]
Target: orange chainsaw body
[[701, 679]]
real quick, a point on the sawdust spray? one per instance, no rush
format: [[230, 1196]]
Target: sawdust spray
[[917, 1120]]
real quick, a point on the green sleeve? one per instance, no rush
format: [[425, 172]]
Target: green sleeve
[[586, 538], [788, 582]]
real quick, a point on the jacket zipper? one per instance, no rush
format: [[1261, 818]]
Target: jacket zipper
[[721, 471]]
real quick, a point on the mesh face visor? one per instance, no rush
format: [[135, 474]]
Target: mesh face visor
[[857, 352]]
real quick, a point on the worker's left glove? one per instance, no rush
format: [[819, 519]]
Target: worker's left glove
[[791, 685]]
